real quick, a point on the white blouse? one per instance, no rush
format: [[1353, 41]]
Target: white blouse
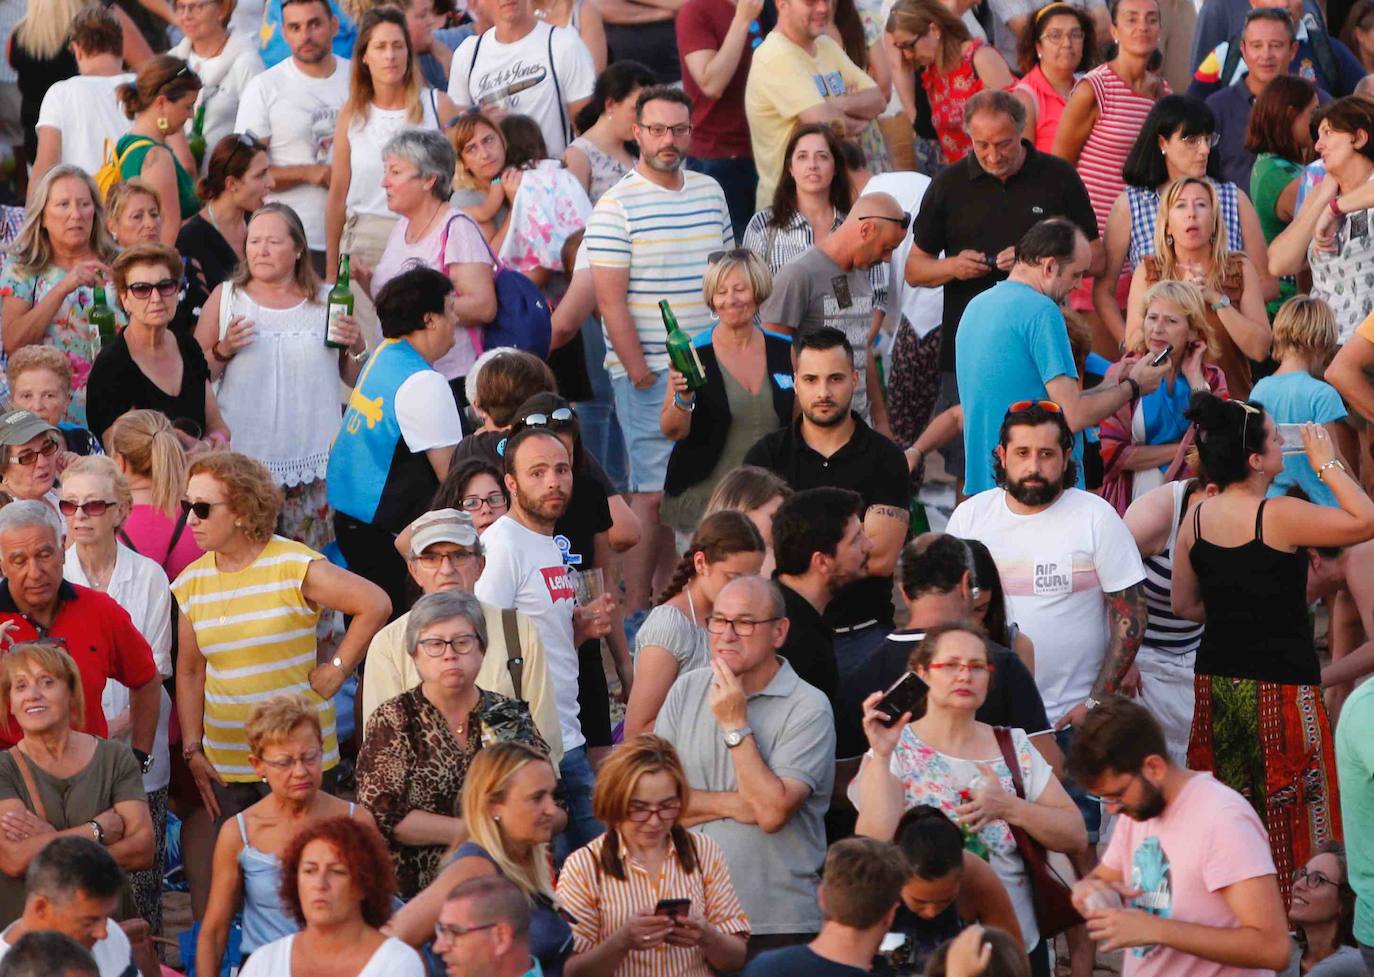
[[365, 142]]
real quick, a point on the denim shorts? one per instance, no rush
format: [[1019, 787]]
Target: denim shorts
[[1088, 805], [647, 448]]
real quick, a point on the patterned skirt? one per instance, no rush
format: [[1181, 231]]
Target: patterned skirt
[[1272, 743], [913, 386]]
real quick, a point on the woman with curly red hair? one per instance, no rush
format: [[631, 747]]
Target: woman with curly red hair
[[338, 883]]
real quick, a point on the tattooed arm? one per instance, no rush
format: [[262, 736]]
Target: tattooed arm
[[885, 526], [1126, 614]]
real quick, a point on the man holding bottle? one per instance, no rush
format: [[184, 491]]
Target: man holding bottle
[[638, 258]]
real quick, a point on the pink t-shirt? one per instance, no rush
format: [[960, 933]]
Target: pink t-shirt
[[150, 531], [1207, 839]]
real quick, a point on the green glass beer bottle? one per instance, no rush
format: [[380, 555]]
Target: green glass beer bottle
[[340, 302], [196, 140], [101, 317], [680, 350]]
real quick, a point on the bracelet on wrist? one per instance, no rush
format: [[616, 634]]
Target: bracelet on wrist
[[686, 406], [1333, 463], [1336, 206], [214, 351], [1135, 387]]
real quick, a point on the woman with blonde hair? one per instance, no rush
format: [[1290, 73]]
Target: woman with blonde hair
[[160, 101], [756, 492], [133, 213], [511, 818], [63, 252], [286, 750], [146, 449], [1191, 246], [641, 791], [1144, 443], [386, 94]]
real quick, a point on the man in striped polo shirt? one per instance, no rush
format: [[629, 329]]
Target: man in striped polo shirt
[[648, 239]]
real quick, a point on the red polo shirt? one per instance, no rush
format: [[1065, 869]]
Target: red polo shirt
[[100, 637]]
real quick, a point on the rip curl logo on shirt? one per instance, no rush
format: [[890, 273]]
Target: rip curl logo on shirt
[[501, 87], [570, 559], [1053, 576], [557, 581]]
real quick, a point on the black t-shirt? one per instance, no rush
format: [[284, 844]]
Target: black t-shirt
[[1013, 700], [869, 464], [210, 260], [117, 385], [810, 646], [799, 961], [966, 209]]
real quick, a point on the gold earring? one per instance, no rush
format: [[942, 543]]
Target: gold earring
[[162, 124]]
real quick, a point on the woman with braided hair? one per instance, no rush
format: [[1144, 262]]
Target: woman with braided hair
[[672, 639]]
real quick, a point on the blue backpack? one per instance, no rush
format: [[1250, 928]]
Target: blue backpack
[[522, 318]]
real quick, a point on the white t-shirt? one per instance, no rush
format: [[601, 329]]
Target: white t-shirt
[[1055, 567], [392, 959], [525, 571], [296, 114], [515, 77], [223, 79], [922, 307], [427, 412], [86, 111], [113, 955]]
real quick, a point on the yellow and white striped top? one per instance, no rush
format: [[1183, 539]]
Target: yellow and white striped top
[[256, 630]]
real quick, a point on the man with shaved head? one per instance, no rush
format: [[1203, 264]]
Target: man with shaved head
[[762, 772], [828, 285]]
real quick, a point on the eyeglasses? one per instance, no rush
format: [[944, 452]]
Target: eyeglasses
[[659, 131], [1025, 405], [557, 418], [1312, 880], [973, 668], [496, 502], [744, 626], [667, 811], [907, 46], [142, 291], [444, 931], [433, 561], [464, 644], [195, 6], [286, 763], [1117, 799], [96, 507], [735, 254], [904, 220], [29, 458], [1245, 424], [201, 510], [245, 140], [1059, 37], [1201, 140]]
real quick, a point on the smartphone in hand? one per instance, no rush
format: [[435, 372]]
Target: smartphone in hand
[[907, 694]]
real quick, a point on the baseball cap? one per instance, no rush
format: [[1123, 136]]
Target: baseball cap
[[441, 526], [21, 426]]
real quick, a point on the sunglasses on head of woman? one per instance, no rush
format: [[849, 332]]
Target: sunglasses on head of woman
[[557, 419]]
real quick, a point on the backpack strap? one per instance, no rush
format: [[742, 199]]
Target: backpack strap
[[515, 661], [140, 141], [495, 262], [1228, 67], [226, 302], [472, 66], [22, 762], [558, 90]]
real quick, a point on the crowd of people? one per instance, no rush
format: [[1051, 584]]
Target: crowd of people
[[760, 487]]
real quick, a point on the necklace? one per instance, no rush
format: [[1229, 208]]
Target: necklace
[[424, 228], [691, 605]]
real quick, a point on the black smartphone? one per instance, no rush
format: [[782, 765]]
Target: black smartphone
[[673, 908], [1162, 355], [904, 695], [990, 259]]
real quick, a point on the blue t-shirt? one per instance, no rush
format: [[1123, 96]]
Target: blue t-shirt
[[794, 961], [1011, 342], [1297, 398]]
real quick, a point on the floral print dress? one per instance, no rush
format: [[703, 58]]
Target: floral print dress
[[937, 779], [70, 330], [948, 94]]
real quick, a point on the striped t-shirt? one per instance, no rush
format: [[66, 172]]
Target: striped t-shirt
[[256, 630], [663, 237]]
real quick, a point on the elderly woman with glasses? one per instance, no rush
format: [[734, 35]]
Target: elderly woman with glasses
[[149, 366], [286, 750], [29, 449], [641, 791], [418, 745], [748, 391]]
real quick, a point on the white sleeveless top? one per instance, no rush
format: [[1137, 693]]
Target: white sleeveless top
[[280, 394], [365, 142]]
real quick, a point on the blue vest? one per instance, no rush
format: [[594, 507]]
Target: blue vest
[[373, 476]]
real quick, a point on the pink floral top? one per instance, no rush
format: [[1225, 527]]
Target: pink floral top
[[947, 94], [69, 330]]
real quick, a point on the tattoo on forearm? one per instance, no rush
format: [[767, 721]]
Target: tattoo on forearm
[[891, 511], [1126, 615]]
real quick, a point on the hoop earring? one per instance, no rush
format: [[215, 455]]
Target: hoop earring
[[162, 124], [1169, 240]]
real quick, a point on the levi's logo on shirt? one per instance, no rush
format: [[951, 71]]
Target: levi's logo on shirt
[[560, 587]]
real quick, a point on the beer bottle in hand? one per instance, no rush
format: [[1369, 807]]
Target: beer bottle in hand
[[680, 350], [340, 302]]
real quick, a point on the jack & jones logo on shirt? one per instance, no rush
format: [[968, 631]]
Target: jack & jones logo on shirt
[[559, 583], [501, 87]]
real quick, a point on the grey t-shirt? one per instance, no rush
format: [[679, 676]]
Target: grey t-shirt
[[812, 291], [775, 875], [669, 629], [1345, 962]]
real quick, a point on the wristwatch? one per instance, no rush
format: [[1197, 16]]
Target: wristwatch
[[1224, 302], [145, 760], [1092, 703], [338, 663], [735, 737], [97, 830]]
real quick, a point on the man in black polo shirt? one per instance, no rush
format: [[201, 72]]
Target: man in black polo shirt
[[831, 445], [977, 209]]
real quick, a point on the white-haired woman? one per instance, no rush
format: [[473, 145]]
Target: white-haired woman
[[262, 333], [417, 177], [47, 282], [95, 500]]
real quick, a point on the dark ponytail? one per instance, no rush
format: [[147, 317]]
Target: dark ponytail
[[1228, 433], [720, 535], [614, 84]]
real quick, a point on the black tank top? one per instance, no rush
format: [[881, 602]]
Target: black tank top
[[1256, 601]]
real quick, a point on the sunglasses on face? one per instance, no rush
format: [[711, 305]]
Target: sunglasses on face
[[201, 510], [28, 458], [95, 507], [142, 291]]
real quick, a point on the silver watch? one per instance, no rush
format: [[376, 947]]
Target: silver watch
[[1222, 303], [735, 737]]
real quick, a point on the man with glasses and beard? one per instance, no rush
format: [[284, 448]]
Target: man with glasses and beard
[[1190, 859], [525, 571], [1070, 568]]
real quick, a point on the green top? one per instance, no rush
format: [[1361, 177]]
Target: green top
[[1270, 175], [133, 166]]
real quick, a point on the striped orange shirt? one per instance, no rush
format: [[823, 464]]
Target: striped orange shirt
[[600, 905]]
